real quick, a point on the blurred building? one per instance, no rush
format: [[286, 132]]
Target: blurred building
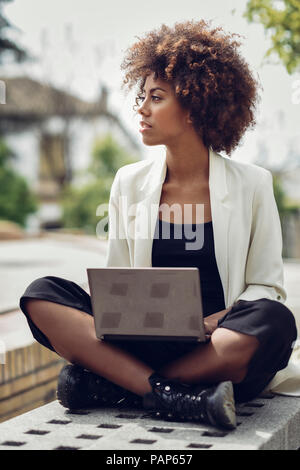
[[288, 173], [290, 180], [278, 150], [291, 183], [52, 133]]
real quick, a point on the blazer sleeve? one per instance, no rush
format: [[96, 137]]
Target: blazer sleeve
[[264, 268], [117, 251]]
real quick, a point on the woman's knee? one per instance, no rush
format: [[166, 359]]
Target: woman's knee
[[36, 287], [33, 307], [235, 351], [39, 285], [285, 320], [34, 293]]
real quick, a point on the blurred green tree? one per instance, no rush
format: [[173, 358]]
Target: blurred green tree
[[16, 199], [281, 18], [80, 203], [287, 211], [285, 208], [280, 196], [7, 45]]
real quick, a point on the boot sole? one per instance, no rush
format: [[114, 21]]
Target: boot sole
[[223, 406]]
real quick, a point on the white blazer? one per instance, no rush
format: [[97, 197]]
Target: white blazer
[[246, 224]]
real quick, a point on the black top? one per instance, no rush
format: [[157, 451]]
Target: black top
[[184, 247]]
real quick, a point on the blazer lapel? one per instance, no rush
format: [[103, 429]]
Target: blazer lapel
[[220, 209], [147, 214]]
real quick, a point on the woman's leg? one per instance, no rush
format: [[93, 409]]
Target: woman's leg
[[225, 357], [253, 342], [71, 332]]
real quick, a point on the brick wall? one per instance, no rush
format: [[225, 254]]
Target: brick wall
[[28, 379]]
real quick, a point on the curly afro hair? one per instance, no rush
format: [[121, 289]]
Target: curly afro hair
[[207, 73]]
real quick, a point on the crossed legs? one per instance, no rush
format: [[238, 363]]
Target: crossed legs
[[71, 333]]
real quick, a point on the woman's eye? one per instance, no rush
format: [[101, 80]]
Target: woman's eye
[[141, 98]]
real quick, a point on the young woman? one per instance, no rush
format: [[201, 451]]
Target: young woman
[[196, 97]]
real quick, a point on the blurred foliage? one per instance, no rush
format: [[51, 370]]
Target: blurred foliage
[[16, 199], [282, 19], [6, 44], [284, 208], [80, 203]]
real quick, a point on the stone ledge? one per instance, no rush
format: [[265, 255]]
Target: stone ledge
[[263, 424]]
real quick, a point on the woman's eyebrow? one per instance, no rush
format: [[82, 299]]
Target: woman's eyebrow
[[153, 89]]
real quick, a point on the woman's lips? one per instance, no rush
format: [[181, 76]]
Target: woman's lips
[[144, 126], [144, 129]]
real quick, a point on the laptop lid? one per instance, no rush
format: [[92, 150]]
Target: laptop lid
[[147, 303]]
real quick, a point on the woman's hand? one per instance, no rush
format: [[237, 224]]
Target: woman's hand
[[211, 322]]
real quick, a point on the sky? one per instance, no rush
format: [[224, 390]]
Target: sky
[[82, 44]]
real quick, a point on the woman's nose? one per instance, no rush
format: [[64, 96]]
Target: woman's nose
[[143, 109]]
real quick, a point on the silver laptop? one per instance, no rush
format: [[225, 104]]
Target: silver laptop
[[147, 304]]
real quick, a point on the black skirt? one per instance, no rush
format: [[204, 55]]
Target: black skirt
[[271, 322]]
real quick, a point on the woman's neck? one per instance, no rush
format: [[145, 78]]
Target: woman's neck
[[185, 166]]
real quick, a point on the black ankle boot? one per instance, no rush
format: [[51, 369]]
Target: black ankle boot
[[174, 400], [78, 388]]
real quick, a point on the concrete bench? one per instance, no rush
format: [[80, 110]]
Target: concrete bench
[[270, 422]]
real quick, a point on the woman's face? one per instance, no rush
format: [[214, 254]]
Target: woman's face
[[161, 109]]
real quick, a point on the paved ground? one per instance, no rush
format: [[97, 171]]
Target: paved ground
[[292, 283], [56, 255], [22, 261]]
